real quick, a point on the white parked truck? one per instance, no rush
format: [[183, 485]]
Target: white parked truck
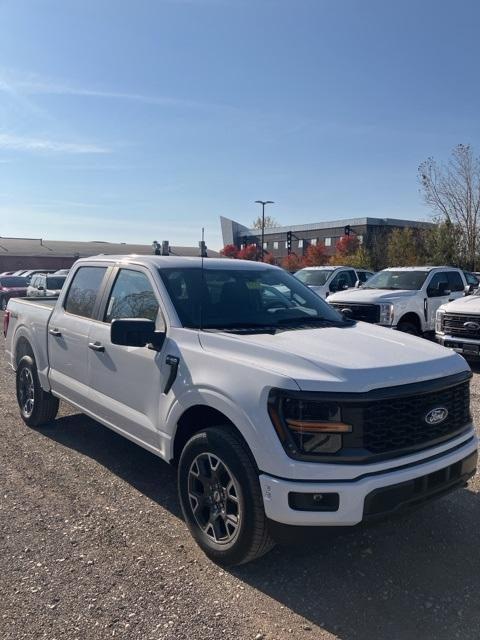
[[458, 325], [329, 279], [405, 298], [276, 409]]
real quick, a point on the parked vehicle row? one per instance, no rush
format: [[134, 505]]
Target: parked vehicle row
[[275, 408], [330, 279], [43, 285]]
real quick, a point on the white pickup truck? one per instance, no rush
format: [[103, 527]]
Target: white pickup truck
[[458, 325], [405, 298], [275, 407]]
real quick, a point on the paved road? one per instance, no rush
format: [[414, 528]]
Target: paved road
[[92, 545]]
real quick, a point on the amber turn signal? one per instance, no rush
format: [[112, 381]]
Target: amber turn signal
[[319, 427]]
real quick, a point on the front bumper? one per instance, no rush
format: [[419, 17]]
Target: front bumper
[[356, 497], [468, 347]]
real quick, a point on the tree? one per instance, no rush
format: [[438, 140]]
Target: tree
[[229, 251], [269, 258], [452, 191], [347, 245], [361, 259], [443, 246], [249, 252], [269, 222], [292, 262], [315, 256], [405, 248]]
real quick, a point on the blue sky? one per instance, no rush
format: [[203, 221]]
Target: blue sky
[[134, 121]]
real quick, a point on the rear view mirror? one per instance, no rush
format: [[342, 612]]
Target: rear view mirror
[[470, 288], [135, 332]]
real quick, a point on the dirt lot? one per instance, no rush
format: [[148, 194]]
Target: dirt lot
[[93, 546]]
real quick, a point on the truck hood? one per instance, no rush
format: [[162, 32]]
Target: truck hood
[[370, 296], [355, 358], [469, 304]]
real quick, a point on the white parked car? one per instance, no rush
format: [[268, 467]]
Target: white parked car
[[274, 407], [404, 298], [45, 285], [458, 325], [329, 279]]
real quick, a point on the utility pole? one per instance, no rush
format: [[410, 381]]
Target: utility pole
[[263, 203]]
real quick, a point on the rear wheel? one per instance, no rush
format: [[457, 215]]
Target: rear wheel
[[409, 327], [37, 407], [221, 498]]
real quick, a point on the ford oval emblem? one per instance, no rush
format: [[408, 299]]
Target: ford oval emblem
[[474, 326], [436, 416]]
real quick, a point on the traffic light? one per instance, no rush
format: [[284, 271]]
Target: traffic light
[[289, 242], [347, 230]]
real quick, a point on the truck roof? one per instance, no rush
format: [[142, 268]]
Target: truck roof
[[159, 262], [424, 268]]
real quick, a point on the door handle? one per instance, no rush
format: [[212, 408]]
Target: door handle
[[96, 346], [173, 363], [55, 332]]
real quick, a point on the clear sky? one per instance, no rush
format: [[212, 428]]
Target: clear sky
[[137, 120]]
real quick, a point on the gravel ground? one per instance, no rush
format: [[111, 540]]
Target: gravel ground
[[92, 545]]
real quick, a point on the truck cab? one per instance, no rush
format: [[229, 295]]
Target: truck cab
[[330, 279], [403, 298]]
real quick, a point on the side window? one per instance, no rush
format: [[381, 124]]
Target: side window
[[455, 282], [340, 282], [471, 279], [132, 296], [41, 281], [352, 278], [83, 291], [33, 281], [438, 285]]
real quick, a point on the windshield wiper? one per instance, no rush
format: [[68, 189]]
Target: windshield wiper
[[242, 327]]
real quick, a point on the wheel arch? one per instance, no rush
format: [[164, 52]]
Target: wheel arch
[[413, 318]]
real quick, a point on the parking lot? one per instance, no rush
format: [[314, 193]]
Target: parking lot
[[94, 546]]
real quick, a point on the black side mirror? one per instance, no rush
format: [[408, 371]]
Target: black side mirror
[[135, 332]]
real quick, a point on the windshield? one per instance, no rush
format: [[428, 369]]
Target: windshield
[[410, 280], [313, 277], [55, 282], [244, 299], [13, 281]]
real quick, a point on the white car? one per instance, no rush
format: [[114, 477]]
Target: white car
[[405, 298], [274, 407], [329, 279], [458, 325], [45, 285]]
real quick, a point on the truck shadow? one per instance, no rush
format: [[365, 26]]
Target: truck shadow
[[409, 577]]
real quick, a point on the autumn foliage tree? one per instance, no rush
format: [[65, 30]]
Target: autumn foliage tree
[[315, 256], [229, 251], [347, 245], [292, 262], [249, 252]]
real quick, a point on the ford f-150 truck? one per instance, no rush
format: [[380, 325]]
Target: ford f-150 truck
[[404, 298], [458, 325], [274, 407]]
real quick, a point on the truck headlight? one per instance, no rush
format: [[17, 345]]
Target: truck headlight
[[439, 318], [386, 313], [307, 427]]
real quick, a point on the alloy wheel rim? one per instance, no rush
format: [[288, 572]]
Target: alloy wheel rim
[[27, 392], [214, 496]]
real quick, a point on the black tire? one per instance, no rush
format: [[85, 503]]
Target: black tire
[[210, 510], [37, 407], [409, 327], [3, 303]]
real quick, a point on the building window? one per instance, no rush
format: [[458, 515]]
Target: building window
[[360, 239], [242, 246], [300, 244], [275, 245], [313, 241], [265, 245], [328, 242]]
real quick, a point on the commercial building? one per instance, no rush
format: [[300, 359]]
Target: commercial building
[[371, 232], [35, 253]]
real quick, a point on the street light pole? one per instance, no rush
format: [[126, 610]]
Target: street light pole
[[263, 203]]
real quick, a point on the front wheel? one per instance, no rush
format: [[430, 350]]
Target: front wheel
[[37, 407], [3, 303], [409, 327], [221, 498]]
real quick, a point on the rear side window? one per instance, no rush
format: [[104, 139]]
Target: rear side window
[[83, 291], [455, 281], [132, 296]]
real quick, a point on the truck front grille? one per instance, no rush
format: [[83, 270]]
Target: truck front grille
[[462, 326], [363, 312], [395, 425]]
